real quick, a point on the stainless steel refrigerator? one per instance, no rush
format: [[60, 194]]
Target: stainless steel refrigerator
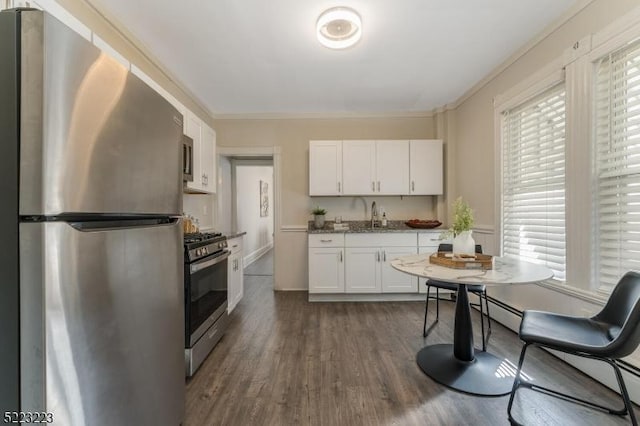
[[91, 266]]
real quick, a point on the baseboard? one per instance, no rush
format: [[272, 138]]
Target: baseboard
[[377, 297], [252, 257]]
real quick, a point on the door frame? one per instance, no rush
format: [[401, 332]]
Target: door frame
[[248, 152]]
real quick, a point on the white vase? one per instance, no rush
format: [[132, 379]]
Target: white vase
[[463, 243], [318, 221]]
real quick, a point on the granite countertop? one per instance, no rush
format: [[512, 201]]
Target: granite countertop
[[233, 234], [364, 226]]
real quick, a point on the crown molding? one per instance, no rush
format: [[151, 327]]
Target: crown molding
[[321, 115]]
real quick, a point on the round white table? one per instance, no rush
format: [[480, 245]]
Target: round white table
[[459, 366]]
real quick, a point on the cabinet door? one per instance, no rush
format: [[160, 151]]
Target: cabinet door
[[208, 159], [422, 287], [392, 167], [235, 281], [426, 167], [362, 270], [394, 281], [325, 167], [326, 270], [359, 167], [193, 129]]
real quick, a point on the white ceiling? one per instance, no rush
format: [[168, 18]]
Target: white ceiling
[[262, 56]]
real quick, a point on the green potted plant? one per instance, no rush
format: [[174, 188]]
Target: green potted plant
[[318, 217], [461, 228]]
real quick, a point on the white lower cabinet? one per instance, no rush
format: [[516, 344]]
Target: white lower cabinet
[[235, 273], [326, 263], [362, 271], [360, 263], [394, 281], [369, 270], [326, 270]]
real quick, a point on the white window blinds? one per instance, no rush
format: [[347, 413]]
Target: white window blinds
[[533, 186], [617, 164]]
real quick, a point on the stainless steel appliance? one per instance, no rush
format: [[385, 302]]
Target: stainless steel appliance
[[205, 293], [91, 301], [187, 158]]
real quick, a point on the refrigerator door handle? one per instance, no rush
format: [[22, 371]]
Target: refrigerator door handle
[[104, 225]]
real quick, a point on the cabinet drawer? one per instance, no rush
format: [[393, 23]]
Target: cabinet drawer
[[235, 245], [326, 240], [431, 239], [401, 239]]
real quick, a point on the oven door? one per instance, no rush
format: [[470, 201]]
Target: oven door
[[205, 294]]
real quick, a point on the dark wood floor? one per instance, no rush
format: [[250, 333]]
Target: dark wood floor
[[262, 266], [285, 361]]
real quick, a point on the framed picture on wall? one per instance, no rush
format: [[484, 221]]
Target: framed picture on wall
[[264, 199]]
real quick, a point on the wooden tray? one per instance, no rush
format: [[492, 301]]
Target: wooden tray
[[481, 261], [423, 224]]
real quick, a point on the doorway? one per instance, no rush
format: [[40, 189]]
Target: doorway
[[246, 202]]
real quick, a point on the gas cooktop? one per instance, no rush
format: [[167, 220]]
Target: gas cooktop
[[202, 236]]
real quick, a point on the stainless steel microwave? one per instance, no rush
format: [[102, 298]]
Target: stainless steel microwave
[[187, 158]]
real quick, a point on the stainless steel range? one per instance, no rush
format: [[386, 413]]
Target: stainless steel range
[[205, 292]]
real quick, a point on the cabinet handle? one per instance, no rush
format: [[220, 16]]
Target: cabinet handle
[[377, 256], [339, 187], [378, 186], [340, 256], [373, 186], [234, 246], [384, 255], [325, 241], [413, 185]]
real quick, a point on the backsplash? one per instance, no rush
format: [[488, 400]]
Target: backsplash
[[200, 206], [359, 208]]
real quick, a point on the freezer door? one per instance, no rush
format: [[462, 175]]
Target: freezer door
[[94, 138], [102, 324]]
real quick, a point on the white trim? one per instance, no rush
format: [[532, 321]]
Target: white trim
[[546, 77], [618, 29], [257, 254], [484, 229], [573, 291], [257, 151], [614, 43], [248, 151], [294, 228], [381, 297], [322, 115]]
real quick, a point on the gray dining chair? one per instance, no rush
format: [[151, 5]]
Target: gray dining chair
[[479, 289], [608, 336]]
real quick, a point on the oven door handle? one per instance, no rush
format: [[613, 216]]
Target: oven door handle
[[198, 266]]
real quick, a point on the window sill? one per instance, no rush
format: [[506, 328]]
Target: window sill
[[598, 298]]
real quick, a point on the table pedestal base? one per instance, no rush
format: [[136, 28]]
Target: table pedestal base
[[484, 376]]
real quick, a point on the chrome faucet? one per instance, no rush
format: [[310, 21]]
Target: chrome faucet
[[374, 215]]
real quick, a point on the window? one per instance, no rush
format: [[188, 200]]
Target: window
[[533, 180], [617, 164]]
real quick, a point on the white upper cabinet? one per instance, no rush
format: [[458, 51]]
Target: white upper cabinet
[[392, 173], [359, 167], [375, 167], [106, 47], [426, 167], [325, 168], [208, 159], [204, 152]]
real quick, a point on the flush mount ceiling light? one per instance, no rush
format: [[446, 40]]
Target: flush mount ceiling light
[[339, 27]]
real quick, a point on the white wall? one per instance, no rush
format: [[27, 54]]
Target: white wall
[[259, 237], [225, 220], [200, 206]]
